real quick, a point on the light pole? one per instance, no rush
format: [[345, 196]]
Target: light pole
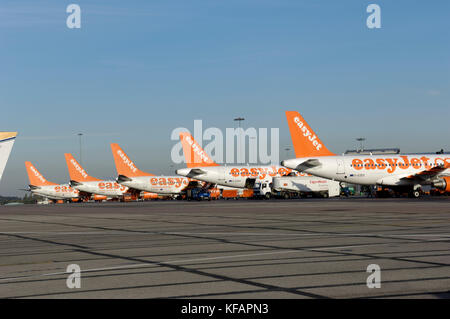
[[287, 149], [239, 120], [81, 159], [361, 140]]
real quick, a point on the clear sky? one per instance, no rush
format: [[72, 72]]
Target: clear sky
[[138, 69]]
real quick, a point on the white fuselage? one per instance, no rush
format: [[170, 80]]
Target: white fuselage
[[63, 191], [235, 176], [166, 185], [389, 170], [105, 188]]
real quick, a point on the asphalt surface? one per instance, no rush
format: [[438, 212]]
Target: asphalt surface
[[314, 248]]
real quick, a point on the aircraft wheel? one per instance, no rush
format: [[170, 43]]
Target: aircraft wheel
[[267, 196], [415, 194]]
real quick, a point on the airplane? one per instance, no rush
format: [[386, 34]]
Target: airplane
[[88, 185], [6, 143], [129, 175], [200, 166], [400, 172], [40, 186]]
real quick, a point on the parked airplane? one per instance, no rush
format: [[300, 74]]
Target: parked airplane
[[6, 143], [406, 172], [88, 185], [129, 175], [40, 186], [200, 166]]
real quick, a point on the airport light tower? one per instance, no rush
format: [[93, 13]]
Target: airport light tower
[[361, 140], [81, 159], [239, 120], [287, 149]]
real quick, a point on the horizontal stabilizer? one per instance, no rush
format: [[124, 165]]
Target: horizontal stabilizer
[[308, 164], [75, 183], [196, 171], [123, 178]]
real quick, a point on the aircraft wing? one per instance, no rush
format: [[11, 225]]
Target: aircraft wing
[[428, 173]]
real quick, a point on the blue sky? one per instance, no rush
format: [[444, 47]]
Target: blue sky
[[138, 69]]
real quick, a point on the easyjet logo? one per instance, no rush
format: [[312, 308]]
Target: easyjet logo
[[307, 133], [403, 162], [126, 161], [111, 186], [197, 149], [78, 168], [163, 181], [36, 173], [65, 189], [262, 172]]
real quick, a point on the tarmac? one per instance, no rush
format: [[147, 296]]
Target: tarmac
[[307, 248]]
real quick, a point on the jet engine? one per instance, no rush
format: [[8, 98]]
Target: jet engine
[[443, 183]]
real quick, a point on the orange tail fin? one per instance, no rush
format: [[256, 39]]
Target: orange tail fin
[[124, 165], [36, 178], [195, 156], [306, 143], [76, 172]]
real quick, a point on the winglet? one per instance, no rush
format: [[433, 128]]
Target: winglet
[[305, 141], [124, 165], [76, 172], [195, 156], [36, 178], [6, 143]]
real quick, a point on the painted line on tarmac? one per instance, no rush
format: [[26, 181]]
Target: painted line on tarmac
[[143, 232], [181, 261], [147, 264]]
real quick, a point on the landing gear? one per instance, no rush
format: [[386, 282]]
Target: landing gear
[[414, 193], [268, 196]]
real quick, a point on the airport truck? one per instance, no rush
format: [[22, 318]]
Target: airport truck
[[198, 193], [297, 186]]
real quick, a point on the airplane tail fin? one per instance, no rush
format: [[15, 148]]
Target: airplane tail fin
[[305, 141], [124, 165], [76, 172], [195, 156], [36, 178], [6, 143]]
